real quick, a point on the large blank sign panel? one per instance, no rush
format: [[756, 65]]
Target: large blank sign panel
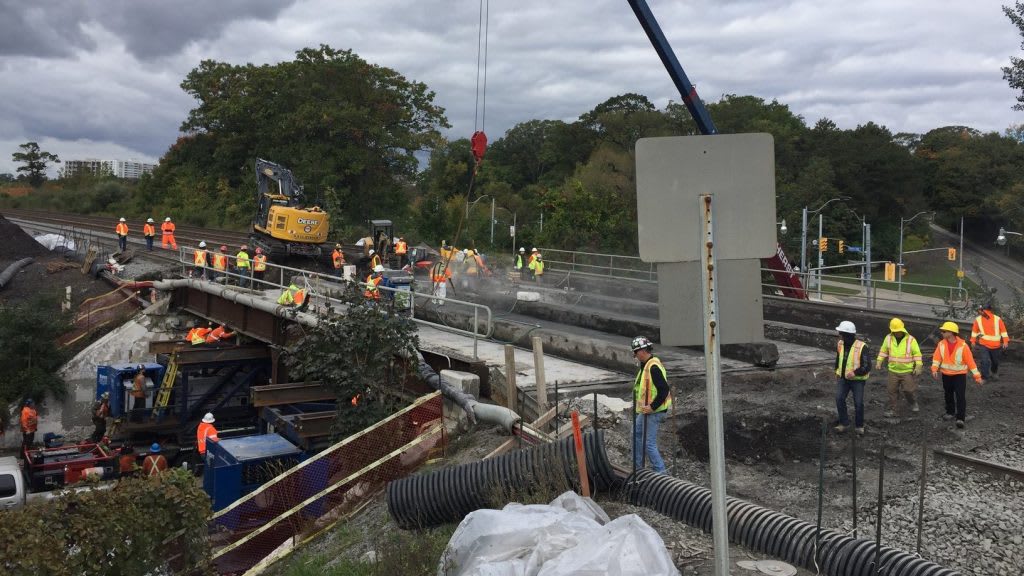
[[672, 174]]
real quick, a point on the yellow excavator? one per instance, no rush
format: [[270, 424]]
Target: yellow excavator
[[283, 226]]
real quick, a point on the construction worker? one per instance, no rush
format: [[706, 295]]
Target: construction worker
[[242, 266], [100, 413], [990, 331], [904, 356], [440, 274], [139, 394], [338, 260], [292, 295], [126, 461], [402, 250], [529, 261], [447, 252], [218, 334], [199, 259], [372, 291], [220, 264], [470, 270], [149, 231], [537, 267], [374, 260], [519, 265], [853, 364], [197, 335], [154, 463], [259, 265], [205, 433], [653, 397], [29, 424], [122, 234], [953, 359], [167, 236]]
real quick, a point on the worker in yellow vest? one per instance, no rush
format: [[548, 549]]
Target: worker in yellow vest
[[199, 261], [652, 397], [853, 365], [953, 360], [537, 267], [242, 267], [374, 260], [259, 266], [989, 330], [904, 362], [122, 234], [520, 265], [149, 231], [372, 292]]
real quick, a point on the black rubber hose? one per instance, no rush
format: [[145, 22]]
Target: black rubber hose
[[773, 533], [447, 495], [13, 269]]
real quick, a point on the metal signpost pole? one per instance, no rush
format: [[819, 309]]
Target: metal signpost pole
[[821, 254], [712, 367], [803, 249]]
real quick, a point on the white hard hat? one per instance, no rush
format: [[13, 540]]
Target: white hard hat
[[168, 219], [372, 251], [378, 268], [209, 419], [521, 249], [150, 220], [534, 249], [847, 327], [122, 219], [202, 244]]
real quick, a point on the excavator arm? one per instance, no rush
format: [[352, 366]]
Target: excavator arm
[[267, 172]]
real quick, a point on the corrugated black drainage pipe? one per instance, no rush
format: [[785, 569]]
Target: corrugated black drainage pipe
[[447, 495], [773, 533]]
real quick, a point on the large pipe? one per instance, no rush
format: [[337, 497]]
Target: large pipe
[[476, 411], [13, 269]]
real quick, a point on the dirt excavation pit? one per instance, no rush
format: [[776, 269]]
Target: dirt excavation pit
[[752, 439]]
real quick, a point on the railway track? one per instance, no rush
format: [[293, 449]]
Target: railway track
[[988, 466]]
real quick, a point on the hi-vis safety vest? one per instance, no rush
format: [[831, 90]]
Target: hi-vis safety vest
[[401, 247], [199, 257], [440, 273], [519, 261], [959, 360], [121, 229], [853, 362], [148, 230], [198, 335], [220, 261], [242, 259], [205, 432], [371, 287], [903, 356], [643, 388], [259, 262], [338, 258], [990, 332]]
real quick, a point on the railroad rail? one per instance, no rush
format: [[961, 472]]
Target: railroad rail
[[979, 464]]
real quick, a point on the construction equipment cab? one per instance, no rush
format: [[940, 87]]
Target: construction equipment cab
[[283, 226]]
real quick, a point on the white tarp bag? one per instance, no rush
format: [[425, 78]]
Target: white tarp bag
[[52, 241], [572, 536]]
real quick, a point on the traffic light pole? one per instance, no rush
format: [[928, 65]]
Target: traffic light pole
[[821, 253]]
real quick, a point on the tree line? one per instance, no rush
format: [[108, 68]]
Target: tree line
[[367, 143]]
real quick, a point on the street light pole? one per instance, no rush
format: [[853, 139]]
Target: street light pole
[[803, 237], [492, 220], [821, 253], [960, 276], [899, 267]]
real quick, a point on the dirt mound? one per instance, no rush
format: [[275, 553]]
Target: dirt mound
[[15, 244]]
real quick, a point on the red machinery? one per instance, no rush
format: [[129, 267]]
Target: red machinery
[[50, 468], [787, 278]]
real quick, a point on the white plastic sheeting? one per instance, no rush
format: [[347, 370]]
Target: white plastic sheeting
[[52, 241], [572, 536]]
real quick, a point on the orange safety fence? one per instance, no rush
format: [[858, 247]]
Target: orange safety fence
[[324, 488]]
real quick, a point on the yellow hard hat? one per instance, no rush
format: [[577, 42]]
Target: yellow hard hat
[[896, 325], [950, 327]]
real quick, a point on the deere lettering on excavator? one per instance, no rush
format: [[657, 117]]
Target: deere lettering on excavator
[[283, 226]]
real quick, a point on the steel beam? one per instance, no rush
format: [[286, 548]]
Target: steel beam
[[313, 424], [292, 393], [202, 355]]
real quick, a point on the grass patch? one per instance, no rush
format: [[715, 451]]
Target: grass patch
[[940, 276]]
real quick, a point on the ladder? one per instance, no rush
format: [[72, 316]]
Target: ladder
[[164, 394]]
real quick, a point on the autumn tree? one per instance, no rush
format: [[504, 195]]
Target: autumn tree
[[34, 162]]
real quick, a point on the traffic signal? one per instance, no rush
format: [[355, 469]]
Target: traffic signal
[[890, 271], [951, 254], [822, 244], [842, 246]]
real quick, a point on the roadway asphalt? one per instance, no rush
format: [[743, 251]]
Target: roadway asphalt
[[988, 264]]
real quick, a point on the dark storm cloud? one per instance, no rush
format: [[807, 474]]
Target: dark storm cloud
[[149, 29]]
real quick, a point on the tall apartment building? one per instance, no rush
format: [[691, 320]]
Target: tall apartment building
[[131, 169]]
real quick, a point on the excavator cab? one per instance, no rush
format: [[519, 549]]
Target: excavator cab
[[282, 226], [383, 234]]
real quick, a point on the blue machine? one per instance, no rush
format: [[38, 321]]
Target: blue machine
[[237, 466], [118, 378]]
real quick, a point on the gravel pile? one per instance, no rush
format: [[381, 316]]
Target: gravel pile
[[973, 521]]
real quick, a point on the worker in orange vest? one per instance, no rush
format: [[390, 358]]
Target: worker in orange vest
[[953, 359], [338, 260], [122, 234], [989, 330], [29, 425], [168, 234], [440, 274], [372, 281], [205, 432], [149, 231], [218, 334], [154, 463], [139, 394], [220, 263], [197, 335], [259, 265], [199, 260], [401, 249]]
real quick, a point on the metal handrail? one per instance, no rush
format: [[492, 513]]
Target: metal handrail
[[957, 296], [313, 285], [572, 262]]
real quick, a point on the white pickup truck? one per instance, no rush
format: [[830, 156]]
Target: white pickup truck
[[15, 492]]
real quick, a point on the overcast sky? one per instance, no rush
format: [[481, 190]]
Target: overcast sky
[[100, 79]]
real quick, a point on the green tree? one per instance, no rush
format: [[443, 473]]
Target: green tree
[[34, 162], [358, 354], [1014, 73], [29, 356]]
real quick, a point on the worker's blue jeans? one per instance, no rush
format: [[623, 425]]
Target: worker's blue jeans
[[650, 446], [843, 389], [149, 243]]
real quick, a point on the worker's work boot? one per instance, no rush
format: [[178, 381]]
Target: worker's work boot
[[959, 423], [915, 408], [890, 413], [860, 431], [947, 416], [841, 428]]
